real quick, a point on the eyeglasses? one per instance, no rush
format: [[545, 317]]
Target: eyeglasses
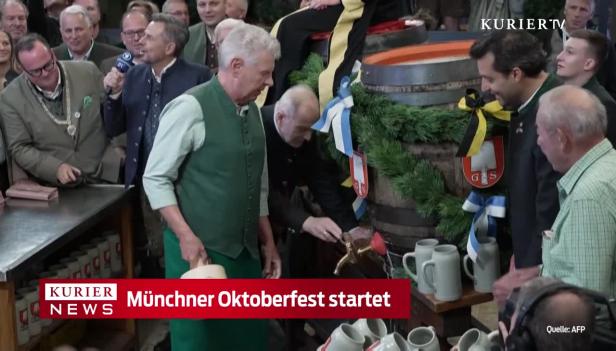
[[134, 33], [47, 68]]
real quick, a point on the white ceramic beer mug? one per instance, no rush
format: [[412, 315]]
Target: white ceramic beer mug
[[422, 253], [486, 269], [423, 338], [444, 277], [390, 342], [344, 338], [371, 329]]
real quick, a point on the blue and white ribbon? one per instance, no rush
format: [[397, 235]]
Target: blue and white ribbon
[[484, 222], [337, 113], [359, 207]]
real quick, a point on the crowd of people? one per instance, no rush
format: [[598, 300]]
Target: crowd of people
[[173, 114]]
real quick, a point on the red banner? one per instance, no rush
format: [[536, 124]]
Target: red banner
[[225, 298]]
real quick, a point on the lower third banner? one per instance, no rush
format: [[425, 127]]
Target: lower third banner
[[225, 298]]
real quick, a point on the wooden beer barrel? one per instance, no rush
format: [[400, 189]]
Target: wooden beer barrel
[[381, 37], [421, 75]]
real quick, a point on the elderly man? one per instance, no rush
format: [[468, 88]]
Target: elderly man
[[580, 247], [14, 18], [78, 38], [209, 157], [177, 9], [94, 12], [294, 159], [52, 118], [162, 78], [201, 47], [237, 9], [511, 65], [578, 63], [133, 30], [547, 302]]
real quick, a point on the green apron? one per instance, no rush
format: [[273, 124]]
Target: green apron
[[215, 334]]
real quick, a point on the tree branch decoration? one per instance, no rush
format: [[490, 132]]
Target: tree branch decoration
[[380, 128]]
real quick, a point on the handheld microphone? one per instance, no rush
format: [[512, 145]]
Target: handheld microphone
[[123, 63]]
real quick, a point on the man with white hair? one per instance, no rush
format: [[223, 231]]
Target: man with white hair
[[14, 18], [177, 9], [209, 157], [94, 11], [224, 28], [78, 38], [237, 9], [580, 247]]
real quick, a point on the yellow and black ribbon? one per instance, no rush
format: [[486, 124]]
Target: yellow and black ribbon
[[477, 128]]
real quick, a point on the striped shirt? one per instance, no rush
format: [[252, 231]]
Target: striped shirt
[[580, 248]]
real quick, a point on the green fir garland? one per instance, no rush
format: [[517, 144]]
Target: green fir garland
[[380, 127]]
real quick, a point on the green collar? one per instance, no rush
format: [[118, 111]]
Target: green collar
[[570, 179]]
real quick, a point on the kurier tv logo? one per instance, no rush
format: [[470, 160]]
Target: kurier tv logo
[[79, 300], [521, 23]]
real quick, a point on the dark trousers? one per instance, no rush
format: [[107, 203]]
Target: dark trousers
[[294, 35]]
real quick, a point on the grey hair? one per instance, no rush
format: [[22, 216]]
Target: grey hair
[[592, 5], [227, 25], [245, 42], [18, 2], [76, 10], [575, 109], [167, 3], [293, 98], [175, 31]]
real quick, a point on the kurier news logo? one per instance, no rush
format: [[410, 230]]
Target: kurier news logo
[[78, 300]]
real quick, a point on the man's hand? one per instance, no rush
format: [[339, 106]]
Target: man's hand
[[67, 173], [114, 81], [361, 233], [321, 4], [323, 228], [272, 267], [503, 287], [192, 248]]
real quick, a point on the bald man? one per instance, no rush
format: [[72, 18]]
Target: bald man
[[580, 247]]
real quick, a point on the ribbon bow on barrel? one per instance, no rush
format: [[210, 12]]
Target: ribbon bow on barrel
[[484, 222], [476, 132], [337, 113]]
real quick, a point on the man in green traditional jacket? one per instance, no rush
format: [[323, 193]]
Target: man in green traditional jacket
[[578, 63], [206, 174]]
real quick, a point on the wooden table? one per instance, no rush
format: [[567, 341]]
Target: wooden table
[[448, 318], [31, 231]]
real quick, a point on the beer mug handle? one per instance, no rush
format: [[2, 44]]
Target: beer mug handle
[[406, 267], [429, 282], [465, 266]]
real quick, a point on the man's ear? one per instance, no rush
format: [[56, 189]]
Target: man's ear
[[236, 64], [564, 139], [517, 74], [279, 116], [590, 64], [170, 48]]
